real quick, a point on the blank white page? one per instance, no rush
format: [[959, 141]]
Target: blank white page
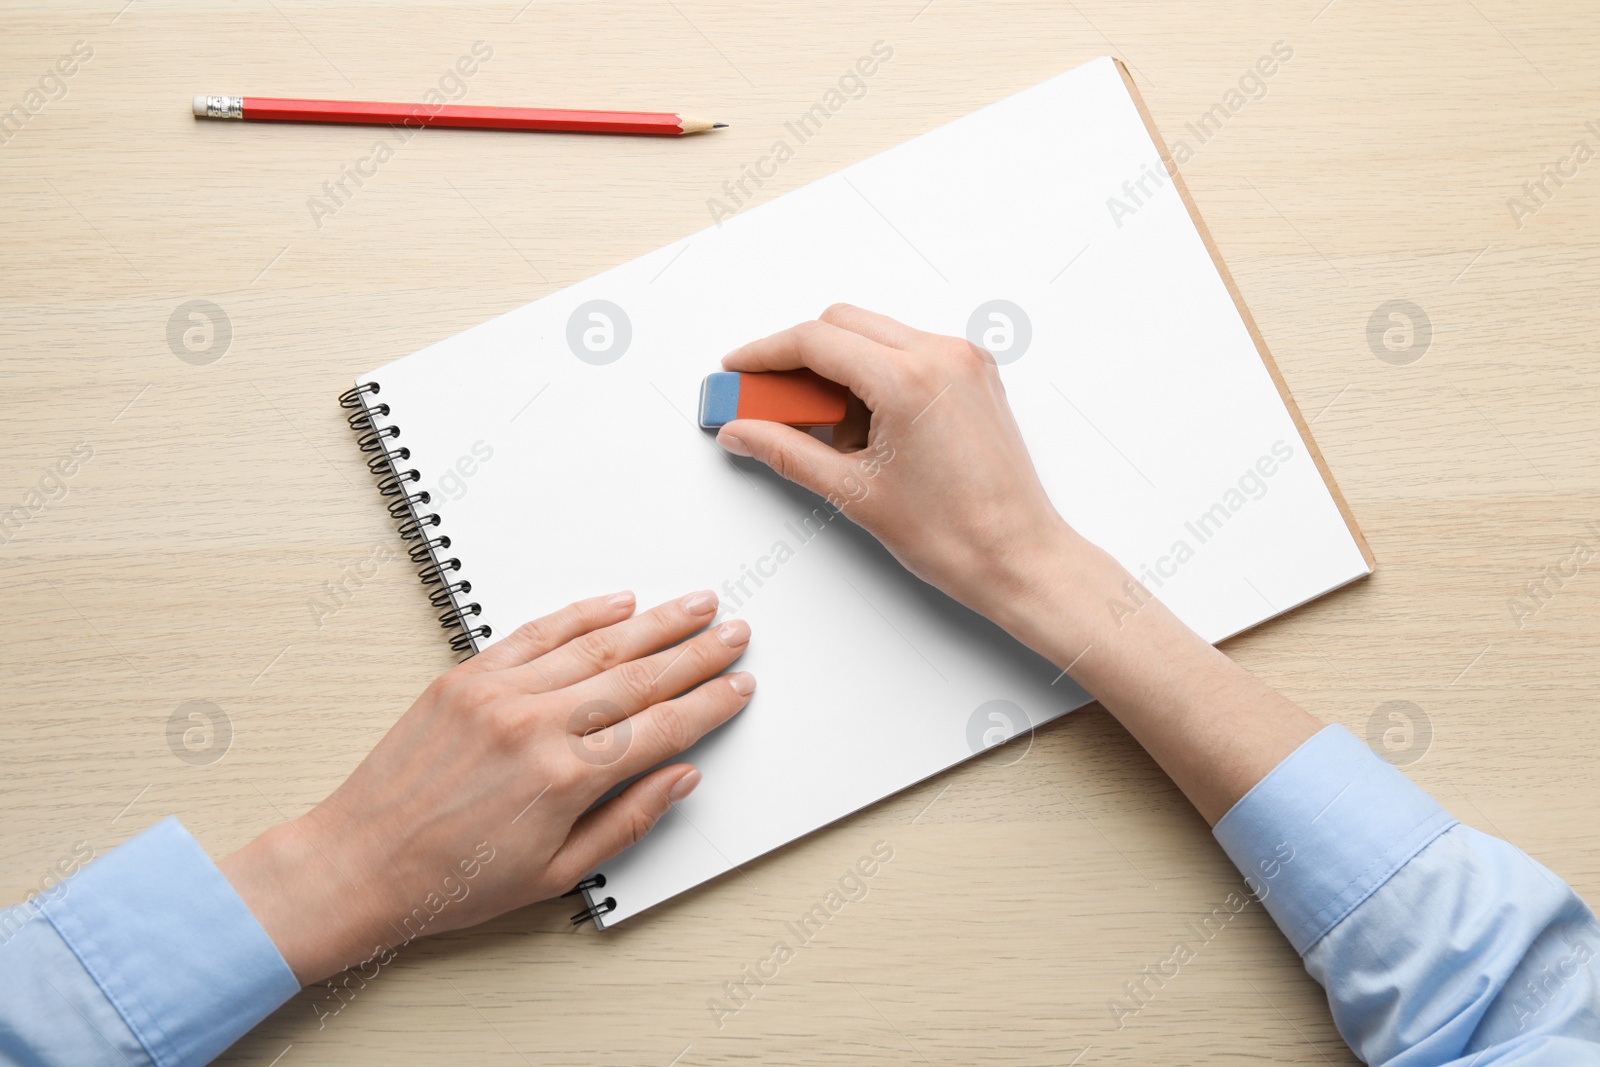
[[1141, 394]]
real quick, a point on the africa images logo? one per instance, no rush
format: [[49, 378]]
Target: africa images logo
[[599, 332], [995, 722]]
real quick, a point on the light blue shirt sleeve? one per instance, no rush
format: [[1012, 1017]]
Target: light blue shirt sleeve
[[147, 956], [1436, 944]]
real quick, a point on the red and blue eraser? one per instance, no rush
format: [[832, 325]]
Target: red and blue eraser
[[795, 397]]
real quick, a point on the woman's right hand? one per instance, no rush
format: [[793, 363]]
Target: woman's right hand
[[932, 463], [929, 460]]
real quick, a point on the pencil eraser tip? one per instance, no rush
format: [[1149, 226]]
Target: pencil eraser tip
[[199, 107]]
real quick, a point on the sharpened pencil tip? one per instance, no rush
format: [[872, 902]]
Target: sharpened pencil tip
[[719, 125]]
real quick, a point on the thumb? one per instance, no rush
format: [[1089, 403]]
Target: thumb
[[793, 454], [620, 822]]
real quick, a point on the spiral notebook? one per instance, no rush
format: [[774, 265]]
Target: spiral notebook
[[553, 454]]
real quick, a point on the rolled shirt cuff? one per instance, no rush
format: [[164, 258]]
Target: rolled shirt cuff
[[1325, 829], [172, 946]]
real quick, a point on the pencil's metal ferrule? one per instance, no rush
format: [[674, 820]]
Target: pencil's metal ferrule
[[219, 107]]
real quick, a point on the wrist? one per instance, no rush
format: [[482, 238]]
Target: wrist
[[1073, 603], [1041, 593], [320, 921]]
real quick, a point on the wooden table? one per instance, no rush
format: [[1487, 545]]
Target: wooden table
[[190, 558]]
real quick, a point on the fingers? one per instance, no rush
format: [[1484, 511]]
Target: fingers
[[533, 639], [637, 684], [857, 348], [598, 650], [620, 822], [852, 433], [857, 362], [663, 730], [792, 454], [873, 326]]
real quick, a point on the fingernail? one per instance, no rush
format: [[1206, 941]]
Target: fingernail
[[699, 603], [685, 785], [730, 443], [620, 600], [742, 682], [734, 633]]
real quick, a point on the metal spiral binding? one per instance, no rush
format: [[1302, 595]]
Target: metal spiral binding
[[594, 911], [414, 524], [596, 882]]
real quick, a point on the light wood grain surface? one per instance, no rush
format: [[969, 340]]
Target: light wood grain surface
[[185, 560]]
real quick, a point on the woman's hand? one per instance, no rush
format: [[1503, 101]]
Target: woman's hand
[[477, 801], [929, 460]]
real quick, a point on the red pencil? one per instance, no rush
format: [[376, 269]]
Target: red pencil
[[267, 109]]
